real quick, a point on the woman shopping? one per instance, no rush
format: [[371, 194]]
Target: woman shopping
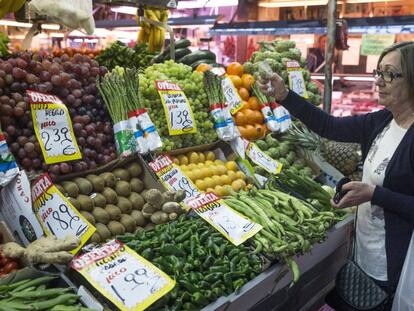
[[385, 197]]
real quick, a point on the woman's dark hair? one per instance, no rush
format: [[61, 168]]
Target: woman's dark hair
[[406, 50]]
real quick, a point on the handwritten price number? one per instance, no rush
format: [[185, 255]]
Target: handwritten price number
[[69, 223], [184, 184], [297, 82], [182, 120], [68, 150]]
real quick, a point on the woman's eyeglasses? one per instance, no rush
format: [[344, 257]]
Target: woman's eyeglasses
[[387, 76]]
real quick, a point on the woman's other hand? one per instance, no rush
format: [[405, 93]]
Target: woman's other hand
[[358, 193], [277, 87]]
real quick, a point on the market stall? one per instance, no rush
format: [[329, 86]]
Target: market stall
[[152, 177]]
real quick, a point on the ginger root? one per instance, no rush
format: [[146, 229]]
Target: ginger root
[[49, 250]]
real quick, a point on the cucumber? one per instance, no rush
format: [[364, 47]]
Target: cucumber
[[158, 59], [198, 55], [180, 53], [183, 43], [201, 61]]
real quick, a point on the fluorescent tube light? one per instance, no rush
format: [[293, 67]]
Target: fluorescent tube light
[[28, 25], [196, 4], [283, 3]]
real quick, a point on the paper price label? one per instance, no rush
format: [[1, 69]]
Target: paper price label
[[126, 279], [296, 80], [53, 128], [233, 225], [56, 214], [262, 159], [178, 113], [233, 99], [173, 178]]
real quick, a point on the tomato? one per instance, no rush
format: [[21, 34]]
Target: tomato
[[12, 265]]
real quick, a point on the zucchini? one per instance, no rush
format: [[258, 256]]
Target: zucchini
[[180, 53], [198, 55], [158, 59], [201, 61]]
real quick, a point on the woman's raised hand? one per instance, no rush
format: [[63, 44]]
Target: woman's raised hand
[[276, 88]]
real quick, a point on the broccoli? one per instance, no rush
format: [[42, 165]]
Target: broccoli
[[291, 54], [262, 145], [283, 46], [248, 67], [274, 153], [271, 142]]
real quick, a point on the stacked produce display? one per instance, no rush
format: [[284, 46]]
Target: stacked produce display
[[117, 190]]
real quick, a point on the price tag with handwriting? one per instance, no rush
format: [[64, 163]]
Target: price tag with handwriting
[[126, 279], [173, 178], [296, 80], [56, 214], [262, 159], [234, 226], [53, 128], [178, 112], [232, 96]]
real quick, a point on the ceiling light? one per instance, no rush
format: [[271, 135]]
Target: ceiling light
[[196, 4], [125, 10], [283, 3], [57, 35], [28, 25]]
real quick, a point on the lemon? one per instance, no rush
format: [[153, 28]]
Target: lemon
[[210, 155], [222, 170], [240, 175], [182, 159], [209, 162], [175, 160], [217, 180], [193, 157], [232, 166], [232, 175], [206, 171], [210, 190], [221, 191], [191, 166], [225, 180], [200, 184], [238, 184], [184, 167], [201, 157], [190, 175], [209, 182], [200, 165], [218, 162], [197, 174]]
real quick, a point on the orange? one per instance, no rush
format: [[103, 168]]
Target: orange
[[235, 68], [247, 81], [242, 131], [237, 82], [254, 103], [251, 132], [244, 93], [261, 130], [240, 118], [249, 115], [203, 67], [257, 117], [245, 105]]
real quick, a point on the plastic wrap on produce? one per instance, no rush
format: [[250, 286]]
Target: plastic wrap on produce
[[124, 139], [142, 146], [151, 135], [8, 166], [72, 14]]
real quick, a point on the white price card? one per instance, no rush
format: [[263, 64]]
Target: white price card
[[262, 159], [173, 178], [233, 99], [53, 128], [126, 279], [296, 80], [178, 112], [230, 223], [56, 214]]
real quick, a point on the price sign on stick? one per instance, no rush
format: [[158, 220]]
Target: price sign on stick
[[178, 113], [56, 214], [232, 96], [296, 80], [53, 128], [262, 159], [126, 279], [233, 225], [173, 178]]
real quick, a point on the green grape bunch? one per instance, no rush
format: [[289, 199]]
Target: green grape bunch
[[192, 85]]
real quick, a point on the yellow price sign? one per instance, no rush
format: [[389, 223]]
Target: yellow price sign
[[53, 128], [126, 279], [57, 216], [178, 112]]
